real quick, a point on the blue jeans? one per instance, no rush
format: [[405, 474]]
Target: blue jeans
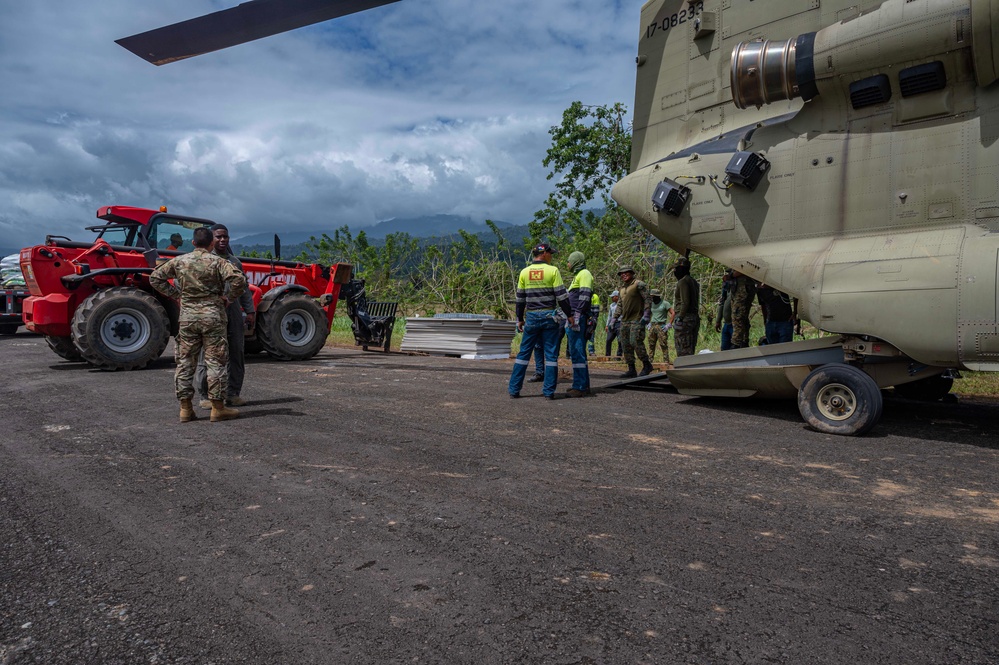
[[726, 339], [577, 351], [779, 331], [538, 327]]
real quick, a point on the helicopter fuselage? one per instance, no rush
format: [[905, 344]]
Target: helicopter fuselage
[[876, 201]]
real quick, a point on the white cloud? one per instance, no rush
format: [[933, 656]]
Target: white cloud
[[420, 107]]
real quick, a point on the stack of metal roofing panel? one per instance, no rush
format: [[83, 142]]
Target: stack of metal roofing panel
[[473, 336]]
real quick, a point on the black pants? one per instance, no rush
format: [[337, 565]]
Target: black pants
[[234, 335], [611, 336]]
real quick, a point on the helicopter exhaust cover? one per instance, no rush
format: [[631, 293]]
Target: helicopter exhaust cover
[[244, 23], [763, 72]]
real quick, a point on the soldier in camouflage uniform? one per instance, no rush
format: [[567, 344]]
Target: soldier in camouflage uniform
[[242, 317], [200, 279], [686, 305], [635, 311], [743, 293]]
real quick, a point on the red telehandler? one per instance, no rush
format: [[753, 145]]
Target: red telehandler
[[93, 301]]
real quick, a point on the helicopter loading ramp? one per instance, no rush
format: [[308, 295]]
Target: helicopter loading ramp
[[769, 371], [659, 381]]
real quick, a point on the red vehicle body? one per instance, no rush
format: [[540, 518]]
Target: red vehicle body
[[93, 301]]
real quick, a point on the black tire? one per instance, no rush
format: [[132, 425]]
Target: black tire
[[294, 327], [930, 389], [840, 399], [252, 345], [64, 348], [9, 328], [121, 328]]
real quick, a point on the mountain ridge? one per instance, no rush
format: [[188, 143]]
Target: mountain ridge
[[427, 226]]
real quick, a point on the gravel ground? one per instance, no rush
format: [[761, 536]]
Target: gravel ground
[[372, 508]]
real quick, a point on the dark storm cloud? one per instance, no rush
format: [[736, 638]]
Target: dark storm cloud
[[440, 106]]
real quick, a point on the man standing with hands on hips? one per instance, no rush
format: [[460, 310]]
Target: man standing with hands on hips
[[540, 295]]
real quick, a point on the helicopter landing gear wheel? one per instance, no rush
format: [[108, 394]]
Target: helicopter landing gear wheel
[[840, 399]]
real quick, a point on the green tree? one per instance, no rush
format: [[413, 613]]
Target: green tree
[[381, 266], [589, 153]]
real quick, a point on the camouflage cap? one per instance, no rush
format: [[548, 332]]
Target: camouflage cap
[[656, 292], [624, 269], [682, 261]]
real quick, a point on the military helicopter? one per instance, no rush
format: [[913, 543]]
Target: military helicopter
[[846, 153], [842, 151]]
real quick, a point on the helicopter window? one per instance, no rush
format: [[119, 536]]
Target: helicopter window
[[922, 78], [870, 91]]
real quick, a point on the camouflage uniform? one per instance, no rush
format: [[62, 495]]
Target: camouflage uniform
[[235, 337], [687, 322], [200, 279], [743, 293], [635, 302]]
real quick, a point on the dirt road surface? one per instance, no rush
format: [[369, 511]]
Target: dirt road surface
[[377, 508]]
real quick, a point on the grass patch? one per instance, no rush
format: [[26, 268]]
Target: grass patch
[[978, 384]]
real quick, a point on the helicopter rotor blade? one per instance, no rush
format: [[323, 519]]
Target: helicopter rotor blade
[[244, 23]]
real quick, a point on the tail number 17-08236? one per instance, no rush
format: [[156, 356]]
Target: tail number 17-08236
[[673, 20]]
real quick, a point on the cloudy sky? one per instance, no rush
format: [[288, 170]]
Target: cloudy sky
[[419, 107]]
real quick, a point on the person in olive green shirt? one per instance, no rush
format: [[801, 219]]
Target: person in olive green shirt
[[662, 314], [686, 301], [634, 311]]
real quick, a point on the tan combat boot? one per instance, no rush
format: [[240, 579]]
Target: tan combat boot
[[221, 412], [187, 410]]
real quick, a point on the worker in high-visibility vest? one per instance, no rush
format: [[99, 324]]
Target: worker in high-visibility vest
[[542, 307]]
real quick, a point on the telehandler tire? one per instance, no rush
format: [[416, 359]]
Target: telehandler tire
[[64, 348], [294, 327], [252, 346], [121, 328], [840, 399], [8, 328]]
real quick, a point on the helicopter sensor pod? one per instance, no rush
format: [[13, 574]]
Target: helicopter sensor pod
[[670, 197], [746, 169]]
